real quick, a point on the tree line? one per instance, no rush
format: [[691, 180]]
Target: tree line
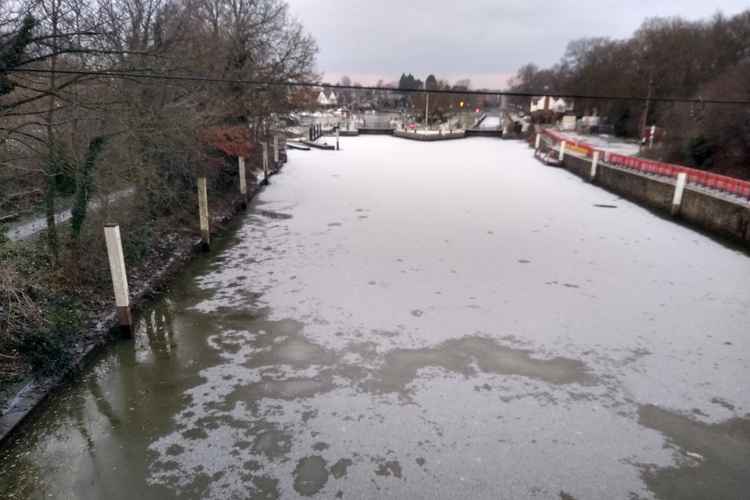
[[707, 59], [69, 134], [441, 105]]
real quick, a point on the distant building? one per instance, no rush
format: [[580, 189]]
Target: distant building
[[556, 105], [327, 100]]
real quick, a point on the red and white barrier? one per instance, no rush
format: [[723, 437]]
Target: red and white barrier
[[731, 185]]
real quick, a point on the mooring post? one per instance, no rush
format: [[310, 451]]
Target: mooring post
[[265, 163], [679, 189], [275, 151], [337, 138], [243, 179], [562, 151], [203, 211], [594, 164], [537, 141], [119, 276]]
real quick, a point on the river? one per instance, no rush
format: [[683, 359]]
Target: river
[[419, 320]]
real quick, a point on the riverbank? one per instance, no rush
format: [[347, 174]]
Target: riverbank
[[172, 251]]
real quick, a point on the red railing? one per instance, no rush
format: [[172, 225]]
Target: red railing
[[731, 185]]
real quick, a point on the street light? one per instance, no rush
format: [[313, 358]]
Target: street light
[[426, 107]]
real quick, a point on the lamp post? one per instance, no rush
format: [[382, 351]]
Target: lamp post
[[426, 107]]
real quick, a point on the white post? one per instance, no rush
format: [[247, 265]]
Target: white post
[[651, 136], [203, 210], [243, 179], [537, 141], [679, 189], [562, 151], [276, 151], [265, 163], [119, 276], [594, 164]]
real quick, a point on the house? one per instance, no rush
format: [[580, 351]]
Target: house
[[327, 100], [551, 103]]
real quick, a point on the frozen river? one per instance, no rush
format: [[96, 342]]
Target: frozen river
[[420, 320]]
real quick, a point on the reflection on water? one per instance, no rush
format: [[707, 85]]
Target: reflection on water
[[473, 347]]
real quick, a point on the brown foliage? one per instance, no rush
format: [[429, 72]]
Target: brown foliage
[[232, 141]]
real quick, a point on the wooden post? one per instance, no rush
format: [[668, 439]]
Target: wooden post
[[562, 150], [275, 151], [265, 163], [337, 138], [119, 276], [203, 211], [537, 141], [679, 189], [243, 178], [594, 164]]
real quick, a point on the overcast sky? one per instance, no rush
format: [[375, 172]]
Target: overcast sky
[[484, 40]]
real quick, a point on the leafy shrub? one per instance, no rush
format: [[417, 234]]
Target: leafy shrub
[[700, 151], [49, 350], [137, 241]]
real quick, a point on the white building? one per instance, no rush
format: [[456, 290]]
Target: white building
[[327, 100], [557, 105]]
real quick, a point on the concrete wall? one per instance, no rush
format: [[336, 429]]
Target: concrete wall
[[375, 131], [717, 215], [428, 137], [483, 133], [700, 209]]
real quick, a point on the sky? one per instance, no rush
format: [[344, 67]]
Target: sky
[[483, 40]]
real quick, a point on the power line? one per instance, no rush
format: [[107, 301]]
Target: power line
[[335, 86]]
